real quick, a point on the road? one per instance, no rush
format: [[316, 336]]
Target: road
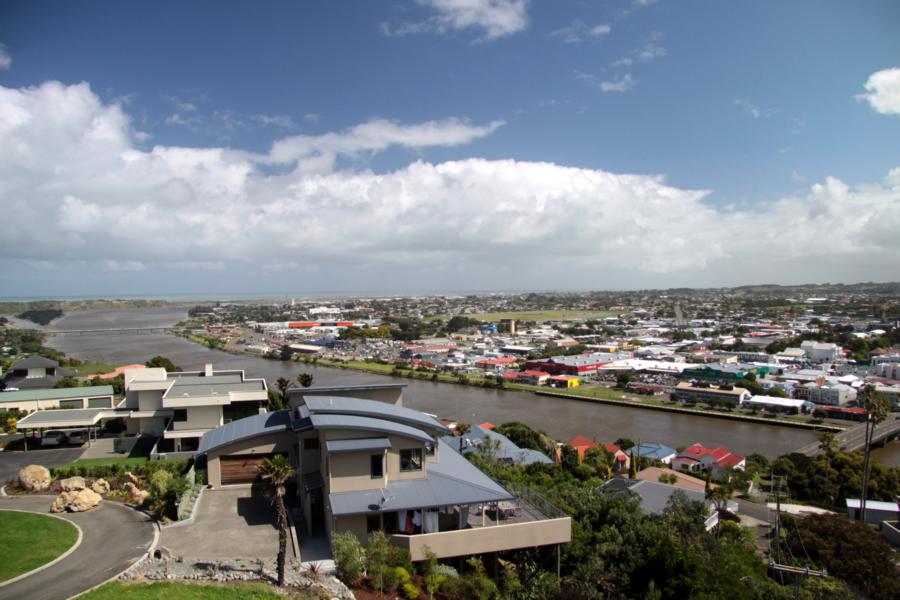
[[115, 537], [12, 462]]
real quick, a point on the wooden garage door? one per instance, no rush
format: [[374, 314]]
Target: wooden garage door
[[240, 469]]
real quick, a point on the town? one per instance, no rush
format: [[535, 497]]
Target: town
[[191, 445]]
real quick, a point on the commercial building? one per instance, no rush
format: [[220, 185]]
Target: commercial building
[[821, 351], [364, 465], [707, 393], [836, 394], [777, 404]]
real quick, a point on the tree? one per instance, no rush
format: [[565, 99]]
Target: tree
[[878, 407], [719, 495], [305, 379], [161, 362], [277, 470], [282, 384], [625, 444], [285, 352], [463, 429], [828, 443], [623, 378], [68, 382]]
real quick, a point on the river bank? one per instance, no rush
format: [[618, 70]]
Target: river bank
[[560, 418]]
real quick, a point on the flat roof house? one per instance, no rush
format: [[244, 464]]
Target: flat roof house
[[181, 407], [364, 465]]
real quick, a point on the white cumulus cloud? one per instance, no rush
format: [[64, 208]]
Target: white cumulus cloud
[[495, 18], [87, 198], [883, 91]]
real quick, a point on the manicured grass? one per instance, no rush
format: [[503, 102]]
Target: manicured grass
[[536, 315], [94, 368], [186, 591], [28, 541]]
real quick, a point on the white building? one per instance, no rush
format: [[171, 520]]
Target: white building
[[181, 407], [821, 351], [836, 394]]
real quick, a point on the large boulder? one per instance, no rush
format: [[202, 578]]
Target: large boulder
[[131, 477], [135, 495], [35, 478], [72, 484], [76, 501], [100, 486]]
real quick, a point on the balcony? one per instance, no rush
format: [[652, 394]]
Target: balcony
[[524, 522]]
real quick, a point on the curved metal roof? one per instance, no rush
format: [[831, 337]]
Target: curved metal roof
[[243, 429], [344, 421], [322, 405]]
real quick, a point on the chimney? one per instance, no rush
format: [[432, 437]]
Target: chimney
[[208, 370]]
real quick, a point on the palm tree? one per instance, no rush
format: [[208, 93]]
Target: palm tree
[[305, 379], [277, 470], [718, 495], [283, 384], [877, 406]]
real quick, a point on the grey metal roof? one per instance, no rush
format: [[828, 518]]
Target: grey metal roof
[[345, 388], [357, 445], [371, 408], [76, 417], [368, 424], [194, 379], [654, 496], [506, 450], [93, 391], [453, 480], [243, 429], [181, 389], [35, 362]]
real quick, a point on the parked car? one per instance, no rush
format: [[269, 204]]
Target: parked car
[[54, 438], [77, 437]]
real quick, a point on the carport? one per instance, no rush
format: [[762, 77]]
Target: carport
[[75, 418]]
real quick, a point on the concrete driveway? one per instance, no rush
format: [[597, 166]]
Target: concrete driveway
[[12, 462], [231, 523], [115, 537]]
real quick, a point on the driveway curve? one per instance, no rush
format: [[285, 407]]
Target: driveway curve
[[115, 537]]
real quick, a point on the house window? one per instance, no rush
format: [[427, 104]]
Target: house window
[[180, 415], [377, 465], [311, 443], [429, 449], [411, 459], [71, 404]]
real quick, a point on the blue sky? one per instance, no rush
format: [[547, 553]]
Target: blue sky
[[760, 104]]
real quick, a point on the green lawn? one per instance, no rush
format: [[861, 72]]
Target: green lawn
[[186, 591], [94, 368], [536, 315], [28, 541]]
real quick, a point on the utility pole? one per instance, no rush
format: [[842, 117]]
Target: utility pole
[[779, 485]]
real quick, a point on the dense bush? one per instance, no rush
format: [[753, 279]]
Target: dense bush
[[349, 556], [174, 467]]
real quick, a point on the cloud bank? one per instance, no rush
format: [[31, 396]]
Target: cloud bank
[[81, 195], [494, 18]]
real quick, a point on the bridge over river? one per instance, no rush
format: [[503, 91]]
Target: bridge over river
[[854, 438], [109, 331]]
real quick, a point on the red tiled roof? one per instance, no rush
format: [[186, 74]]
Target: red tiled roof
[[487, 425], [612, 448], [579, 441]]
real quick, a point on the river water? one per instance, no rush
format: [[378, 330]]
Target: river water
[[562, 419]]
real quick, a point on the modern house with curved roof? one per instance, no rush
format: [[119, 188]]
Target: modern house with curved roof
[[364, 465]]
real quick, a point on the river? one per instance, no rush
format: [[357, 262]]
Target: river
[[562, 419]]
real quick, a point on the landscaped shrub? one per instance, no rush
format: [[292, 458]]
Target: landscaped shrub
[[477, 583], [175, 467], [349, 556]]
